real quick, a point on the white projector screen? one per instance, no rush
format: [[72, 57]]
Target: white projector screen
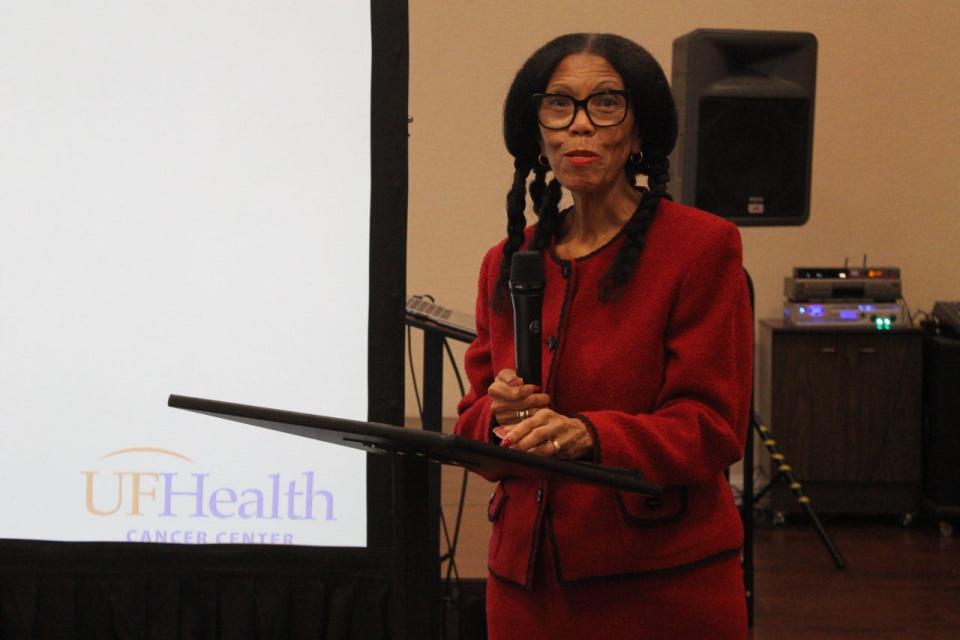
[[185, 194]]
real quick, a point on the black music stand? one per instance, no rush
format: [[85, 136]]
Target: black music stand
[[419, 446], [435, 335], [438, 447]]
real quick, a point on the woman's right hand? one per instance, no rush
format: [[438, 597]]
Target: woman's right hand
[[510, 397]]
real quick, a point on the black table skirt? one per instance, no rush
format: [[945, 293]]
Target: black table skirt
[[62, 590]]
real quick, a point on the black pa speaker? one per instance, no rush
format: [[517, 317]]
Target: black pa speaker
[[745, 108]]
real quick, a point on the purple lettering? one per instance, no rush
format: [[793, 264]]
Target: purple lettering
[[291, 494], [252, 508], [169, 493], [324, 495], [275, 502], [216, 501]]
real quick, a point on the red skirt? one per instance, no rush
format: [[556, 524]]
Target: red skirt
[[703, 602]]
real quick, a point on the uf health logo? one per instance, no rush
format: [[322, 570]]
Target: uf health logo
[[175, 494]]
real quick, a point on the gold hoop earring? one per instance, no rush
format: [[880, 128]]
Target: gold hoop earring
[[636, 158], [542, 159]]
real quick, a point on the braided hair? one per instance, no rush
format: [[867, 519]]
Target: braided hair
[[655, 118]]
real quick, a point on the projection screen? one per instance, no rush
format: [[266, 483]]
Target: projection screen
[[185, 193]]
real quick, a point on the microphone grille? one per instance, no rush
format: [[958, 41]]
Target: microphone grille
[[526, 268]]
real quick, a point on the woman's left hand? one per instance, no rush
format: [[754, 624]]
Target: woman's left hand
[[547, 433]]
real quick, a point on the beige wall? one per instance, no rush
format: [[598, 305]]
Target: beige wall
[[885, 146]]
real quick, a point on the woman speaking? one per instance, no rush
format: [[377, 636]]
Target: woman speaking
[[646, 365]]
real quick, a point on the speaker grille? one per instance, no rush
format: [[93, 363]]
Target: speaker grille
[[752, 160]]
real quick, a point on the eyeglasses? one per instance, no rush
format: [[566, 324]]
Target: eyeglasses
[[604, 108]]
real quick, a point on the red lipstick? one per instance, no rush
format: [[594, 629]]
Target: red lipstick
[[580, 156]]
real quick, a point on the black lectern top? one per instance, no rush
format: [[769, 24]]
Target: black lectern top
[[440, 447]]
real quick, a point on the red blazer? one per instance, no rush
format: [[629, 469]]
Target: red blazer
[[662, 376]]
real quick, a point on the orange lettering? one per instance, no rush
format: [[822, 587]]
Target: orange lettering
[[90, 506]]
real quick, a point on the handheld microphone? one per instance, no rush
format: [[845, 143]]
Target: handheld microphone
[[526, 284]]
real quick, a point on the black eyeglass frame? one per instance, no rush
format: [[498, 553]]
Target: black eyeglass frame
[[537, 98]]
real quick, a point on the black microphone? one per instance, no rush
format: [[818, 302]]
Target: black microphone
[[526, 291]]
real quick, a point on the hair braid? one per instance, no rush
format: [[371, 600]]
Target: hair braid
[[516, 222], [538, 186], [549, 213], [635, 231]]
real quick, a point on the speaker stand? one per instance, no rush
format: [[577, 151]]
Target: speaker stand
[[784, 473]]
